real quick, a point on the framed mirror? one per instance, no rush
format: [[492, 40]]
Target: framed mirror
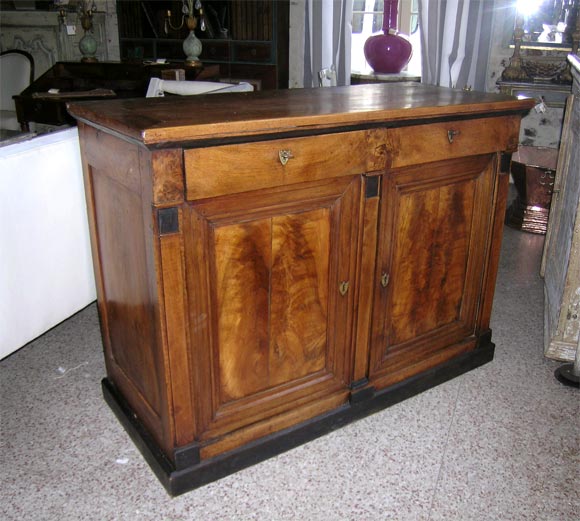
[[545, 32], [547, 24]]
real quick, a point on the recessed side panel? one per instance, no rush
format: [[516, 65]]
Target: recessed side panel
[[130, 313]]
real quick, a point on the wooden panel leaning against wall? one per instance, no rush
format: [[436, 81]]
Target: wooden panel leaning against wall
[[561, 260]]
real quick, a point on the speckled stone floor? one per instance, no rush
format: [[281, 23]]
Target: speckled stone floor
[[499, 443]]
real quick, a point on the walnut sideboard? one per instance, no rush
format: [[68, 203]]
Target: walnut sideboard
[[273, 265]]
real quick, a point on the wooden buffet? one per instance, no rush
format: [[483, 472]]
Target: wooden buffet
[[273, 265]]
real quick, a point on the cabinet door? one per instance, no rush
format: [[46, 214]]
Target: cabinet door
[[270, 277], [431, 256]]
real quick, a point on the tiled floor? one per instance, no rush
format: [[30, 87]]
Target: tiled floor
[[499, 443]]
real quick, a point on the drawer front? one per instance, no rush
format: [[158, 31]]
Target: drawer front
[[438, 141], [215, 50], [253, 52], [230, 169]]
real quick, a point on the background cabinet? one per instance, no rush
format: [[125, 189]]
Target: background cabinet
[[248, 39]]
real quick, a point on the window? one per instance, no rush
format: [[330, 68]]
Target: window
[[367, 19]]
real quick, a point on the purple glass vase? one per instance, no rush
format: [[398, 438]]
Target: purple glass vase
[[388, 52]]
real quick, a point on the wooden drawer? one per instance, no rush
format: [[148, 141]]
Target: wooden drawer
[[426, 143], [230, 169], [215, 50], [253, 52]]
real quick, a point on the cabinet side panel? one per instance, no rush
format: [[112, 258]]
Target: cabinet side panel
[[494, 246], [130, 314], [122, 259]]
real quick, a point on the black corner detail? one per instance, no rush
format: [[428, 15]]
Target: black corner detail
[[360, 396], [505, 163], [186, 456], [484, 339], [360, 391], [372, 187], [168, 220]]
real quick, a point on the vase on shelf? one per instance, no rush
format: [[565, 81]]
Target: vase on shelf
[[192, 45], [87, 44], [388, 52]]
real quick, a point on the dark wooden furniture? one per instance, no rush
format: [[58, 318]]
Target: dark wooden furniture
[[76, 80], [255, 46], [357, 78], [273, 265]]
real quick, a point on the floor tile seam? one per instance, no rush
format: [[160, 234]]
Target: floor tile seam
[[445, 446]]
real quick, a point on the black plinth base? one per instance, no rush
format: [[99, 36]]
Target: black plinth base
[[179, 481], [565, 375]]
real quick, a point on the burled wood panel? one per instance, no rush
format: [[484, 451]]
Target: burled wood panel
[[271, 300], [430, 259], [277, 331], [243, 261], [299, 295], [432, 249]]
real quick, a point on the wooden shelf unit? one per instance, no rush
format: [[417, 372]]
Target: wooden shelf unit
[[256, 45]]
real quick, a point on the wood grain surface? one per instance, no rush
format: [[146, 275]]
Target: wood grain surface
[[279, 329], [241, 296], [162, 121], [432, 244]]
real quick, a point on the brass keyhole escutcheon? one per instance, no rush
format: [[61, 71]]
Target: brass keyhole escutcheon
[[451, 135], [343, 287], [284, 156], [384, 280]]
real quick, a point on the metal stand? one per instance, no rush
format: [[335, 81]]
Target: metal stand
[[569, 374]]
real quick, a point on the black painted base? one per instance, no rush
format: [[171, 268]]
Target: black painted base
[[565, 375], [179, 481]]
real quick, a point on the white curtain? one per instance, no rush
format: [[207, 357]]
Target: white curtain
[[327, 37], [455, 39]]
